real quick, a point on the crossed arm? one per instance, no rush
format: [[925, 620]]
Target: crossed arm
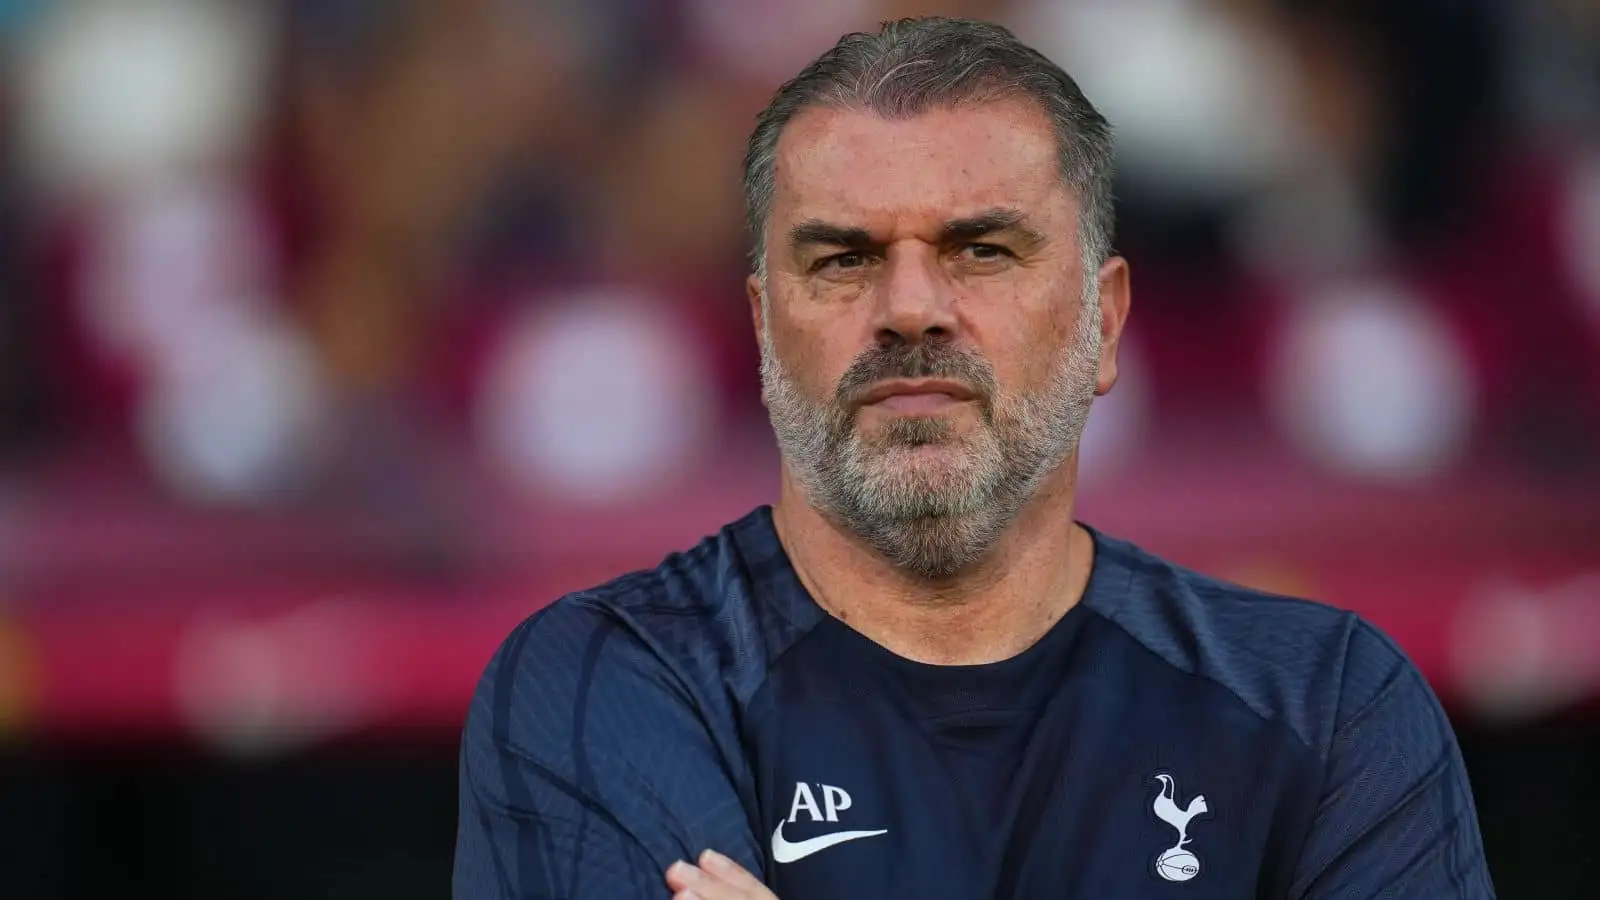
[[589, 768], [579, 787]]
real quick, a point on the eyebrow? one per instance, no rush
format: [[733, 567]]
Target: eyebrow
[[988, 223], [816, 231]]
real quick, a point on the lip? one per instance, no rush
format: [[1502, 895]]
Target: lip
[[904, 387]]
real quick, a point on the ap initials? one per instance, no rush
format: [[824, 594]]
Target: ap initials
[[834, 801]]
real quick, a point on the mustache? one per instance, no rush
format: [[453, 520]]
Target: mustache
[[927, 359]]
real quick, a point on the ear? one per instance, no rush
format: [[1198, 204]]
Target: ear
[[752, 290], [1115, 298]]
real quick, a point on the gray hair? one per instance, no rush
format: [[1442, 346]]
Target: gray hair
[[912, 65]]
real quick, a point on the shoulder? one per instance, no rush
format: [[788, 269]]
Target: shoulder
[[695, 634], [1310, 666]]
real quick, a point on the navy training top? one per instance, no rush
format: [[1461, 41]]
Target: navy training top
[[1170, 736]]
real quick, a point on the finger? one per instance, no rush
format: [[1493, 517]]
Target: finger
[[682, 876], [727, 870], [689, 882], [693, 883]]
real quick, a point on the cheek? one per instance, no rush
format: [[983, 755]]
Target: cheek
[[1024, 341], [813, 359]]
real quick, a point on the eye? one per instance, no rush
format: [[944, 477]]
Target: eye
[[855, 259], [985, 252]]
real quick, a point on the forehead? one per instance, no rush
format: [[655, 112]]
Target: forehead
[[853, 165]]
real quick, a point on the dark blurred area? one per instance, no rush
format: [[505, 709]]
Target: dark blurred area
[[336, 336]]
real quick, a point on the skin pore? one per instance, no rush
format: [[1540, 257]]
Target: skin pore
[[928, 361]]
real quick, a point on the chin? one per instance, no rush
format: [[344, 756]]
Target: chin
[[945, 426], [930, 459], [937, 472]]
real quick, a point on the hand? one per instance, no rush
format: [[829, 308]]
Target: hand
[[715, 878]]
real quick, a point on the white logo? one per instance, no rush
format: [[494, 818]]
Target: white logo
[[1176, 863], [834, 801]]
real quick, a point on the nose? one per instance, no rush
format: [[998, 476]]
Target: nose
[[915, 301]]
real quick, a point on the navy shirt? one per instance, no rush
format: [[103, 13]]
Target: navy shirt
[[1171, 736]]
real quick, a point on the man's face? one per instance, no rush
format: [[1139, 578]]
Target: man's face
[[927, 352]]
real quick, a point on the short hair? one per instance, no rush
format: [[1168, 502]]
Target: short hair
[[913, 65]]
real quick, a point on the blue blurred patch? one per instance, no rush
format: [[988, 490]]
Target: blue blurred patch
[[17, 14]]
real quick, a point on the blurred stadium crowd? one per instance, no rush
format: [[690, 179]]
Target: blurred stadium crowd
[[410, 287], [301, 252], [439, 301], [402, 289], [335, 335]]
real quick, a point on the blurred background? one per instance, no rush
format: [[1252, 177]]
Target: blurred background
[[336, 336]]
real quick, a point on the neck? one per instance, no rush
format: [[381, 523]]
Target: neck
[[1034, 574]]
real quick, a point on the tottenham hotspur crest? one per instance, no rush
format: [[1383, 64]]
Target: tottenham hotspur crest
[[1177, 863]]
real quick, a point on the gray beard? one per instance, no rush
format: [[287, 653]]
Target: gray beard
[[933, 519]]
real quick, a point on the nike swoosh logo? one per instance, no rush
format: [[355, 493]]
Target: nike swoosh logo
[[785, 852]]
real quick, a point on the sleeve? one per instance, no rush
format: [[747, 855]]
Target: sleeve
[[1396, 817], [587, 768]]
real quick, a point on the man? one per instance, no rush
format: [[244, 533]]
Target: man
[[916, 675]]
